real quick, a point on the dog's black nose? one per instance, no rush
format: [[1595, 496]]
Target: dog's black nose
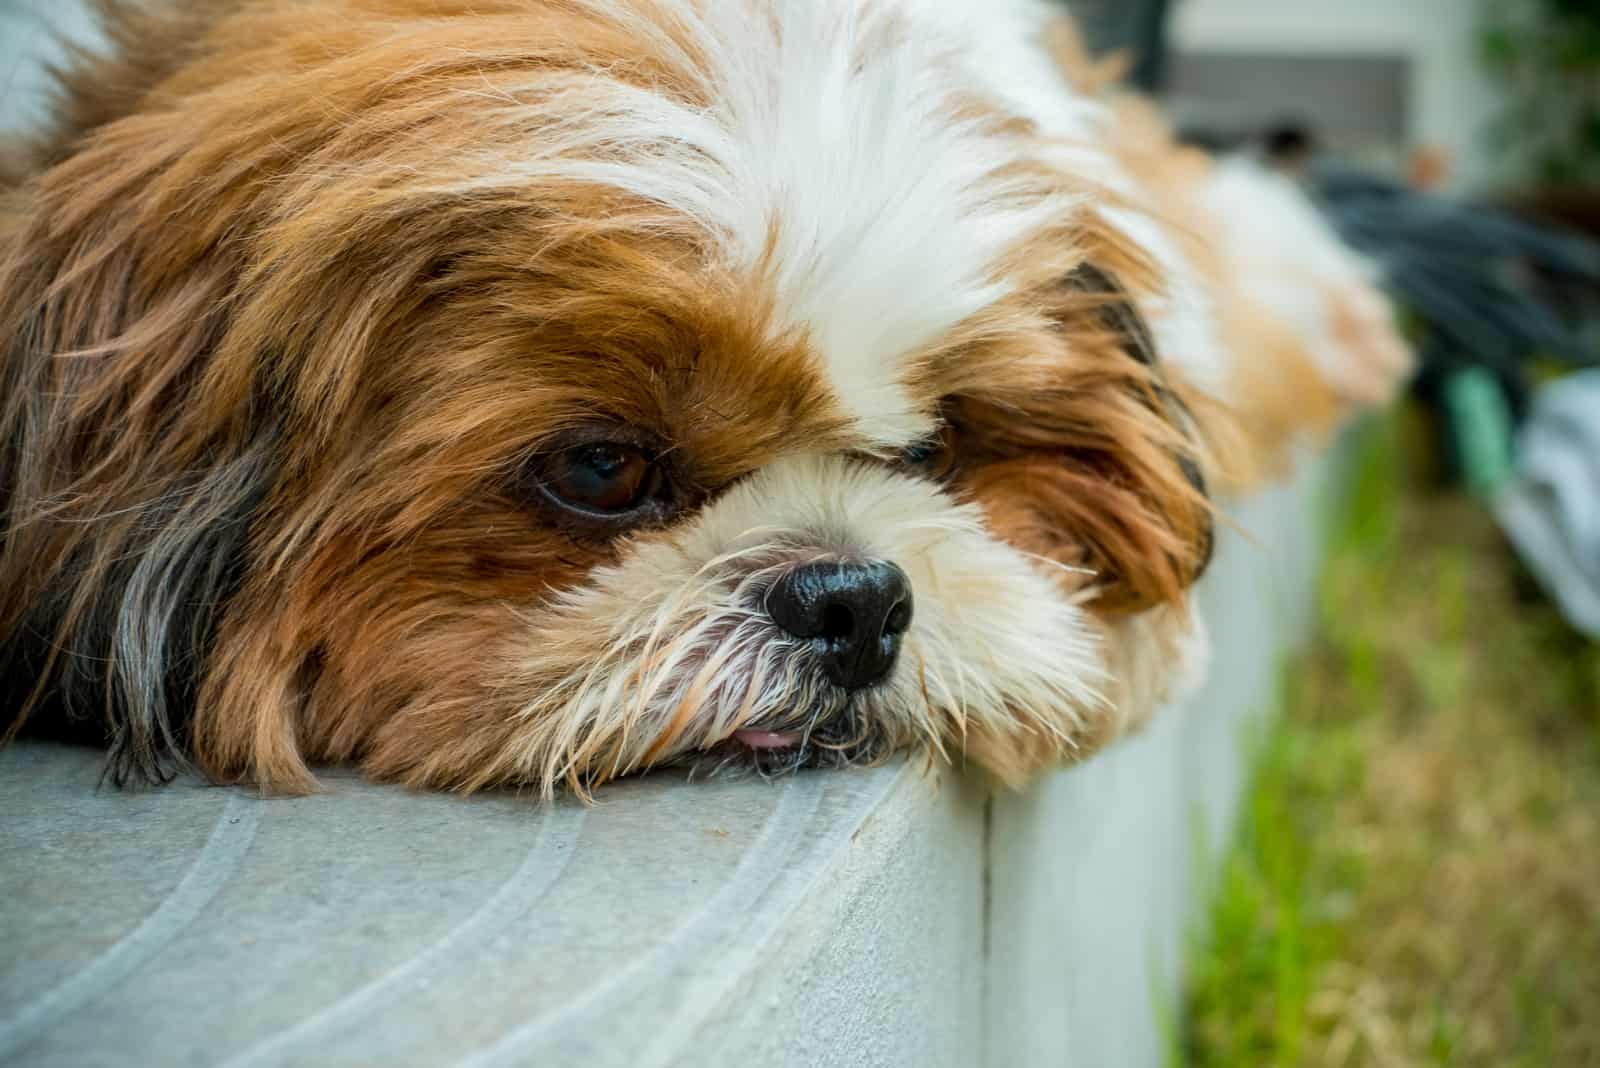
[[854, 611]]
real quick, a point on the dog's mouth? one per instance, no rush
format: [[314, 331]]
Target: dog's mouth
[[763, 741], [848, 736]]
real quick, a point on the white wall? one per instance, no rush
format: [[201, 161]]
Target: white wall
[[1451, 97]]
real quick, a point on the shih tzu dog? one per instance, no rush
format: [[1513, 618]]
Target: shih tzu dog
[[537, 391]]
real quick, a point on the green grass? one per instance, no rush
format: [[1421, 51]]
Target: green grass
[[1416, 877]]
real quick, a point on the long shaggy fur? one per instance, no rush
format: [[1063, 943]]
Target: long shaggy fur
[[292, 292], [1304, 337]]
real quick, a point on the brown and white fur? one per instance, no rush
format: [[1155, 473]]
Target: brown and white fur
[[303, 303], [1305, 338]]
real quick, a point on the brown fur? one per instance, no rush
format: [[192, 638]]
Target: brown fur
[[252, 334], [1275, 394]]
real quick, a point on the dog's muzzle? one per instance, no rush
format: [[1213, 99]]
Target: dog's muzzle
[[851, 613]]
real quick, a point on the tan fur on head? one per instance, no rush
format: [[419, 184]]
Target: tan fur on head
[[303, 301], [1304, 336], [1086, 73]]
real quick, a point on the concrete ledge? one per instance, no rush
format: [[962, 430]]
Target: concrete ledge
[[879, 917], [1099, 871]]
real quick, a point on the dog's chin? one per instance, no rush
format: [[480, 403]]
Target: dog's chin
[[847, 736], [834, 728]]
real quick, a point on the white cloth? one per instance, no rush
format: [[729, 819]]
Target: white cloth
[[1551, 510]]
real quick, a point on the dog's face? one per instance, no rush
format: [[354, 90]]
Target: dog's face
[[536, 392]]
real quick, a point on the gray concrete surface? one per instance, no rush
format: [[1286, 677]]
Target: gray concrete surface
[[370, 925], [1098, 872], [883, 917]]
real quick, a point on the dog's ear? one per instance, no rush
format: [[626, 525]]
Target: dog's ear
[[1119, 316], [1096, 462], [127, 491]]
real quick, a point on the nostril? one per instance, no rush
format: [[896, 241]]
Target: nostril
[[838, 621], [899, 619]]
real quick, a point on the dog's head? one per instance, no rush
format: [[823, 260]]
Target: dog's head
[[529, 391]]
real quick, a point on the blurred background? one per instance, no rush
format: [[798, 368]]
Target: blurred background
[[1416, 879]]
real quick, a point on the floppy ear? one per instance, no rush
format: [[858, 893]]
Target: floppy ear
[[1119, 316], [1101, 463], [127, 491]]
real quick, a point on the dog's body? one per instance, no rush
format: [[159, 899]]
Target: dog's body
[[539, 390]]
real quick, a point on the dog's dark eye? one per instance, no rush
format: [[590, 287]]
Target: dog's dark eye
[[605, 478], [932, 457]]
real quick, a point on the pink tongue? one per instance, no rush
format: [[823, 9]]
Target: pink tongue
[[767, 739]]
